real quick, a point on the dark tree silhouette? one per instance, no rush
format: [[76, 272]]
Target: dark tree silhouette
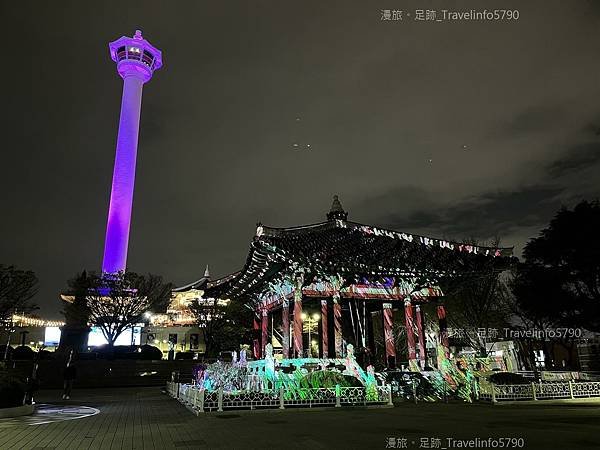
[[119, 301], [75, 310], [475, 301], [77, 314], [538, 304], [225, 324], [559, 280], [17, 288]]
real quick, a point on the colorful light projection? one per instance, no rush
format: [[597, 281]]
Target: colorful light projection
[[136, 62]]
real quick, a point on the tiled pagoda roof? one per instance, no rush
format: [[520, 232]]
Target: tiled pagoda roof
[[353, 251]]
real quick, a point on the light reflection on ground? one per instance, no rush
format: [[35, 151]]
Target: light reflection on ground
[[46, 413]]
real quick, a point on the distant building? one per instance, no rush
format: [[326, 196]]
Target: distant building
[[178, 326], [31, 331]]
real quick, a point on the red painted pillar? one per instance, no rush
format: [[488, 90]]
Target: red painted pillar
[[337, 325], [388, 335], [421, 335], [410, 334], [264, 335], [255, 341], [298, 347], [324, 331], [441, 313], [285, 320]]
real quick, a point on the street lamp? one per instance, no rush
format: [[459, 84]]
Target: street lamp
[[310, 322]]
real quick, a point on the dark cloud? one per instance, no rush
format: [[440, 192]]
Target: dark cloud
[[534, 119], [563, 181], [593, 7], [579, 157], [484, 216]]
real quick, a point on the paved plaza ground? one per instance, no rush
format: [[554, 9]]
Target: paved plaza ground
[[144, 418]]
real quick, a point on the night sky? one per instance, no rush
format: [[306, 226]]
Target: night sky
[[452, 129]]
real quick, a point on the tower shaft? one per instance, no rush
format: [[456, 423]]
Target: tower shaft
[[121, 195]]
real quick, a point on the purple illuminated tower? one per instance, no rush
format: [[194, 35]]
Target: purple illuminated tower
[[136, 62]]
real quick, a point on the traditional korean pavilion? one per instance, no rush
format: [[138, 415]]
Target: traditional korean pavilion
[[342, 274]]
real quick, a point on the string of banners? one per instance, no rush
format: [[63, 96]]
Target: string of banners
[[432, 242]]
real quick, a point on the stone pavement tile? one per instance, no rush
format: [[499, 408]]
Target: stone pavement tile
[[143, 418]]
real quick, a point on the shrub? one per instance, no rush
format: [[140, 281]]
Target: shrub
[[150, 352], [122, 349], [114, 352], [45, 354], [507, 378], [86, 356], [23, 352], [12, 391], [128, 356], [328, 379]]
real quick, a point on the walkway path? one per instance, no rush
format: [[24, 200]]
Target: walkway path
[[143, 418]]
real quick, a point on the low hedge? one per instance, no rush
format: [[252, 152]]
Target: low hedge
[[144, 352]]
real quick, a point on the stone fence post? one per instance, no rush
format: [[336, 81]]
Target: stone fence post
[[571, 389], [201, 404], [220, 400]]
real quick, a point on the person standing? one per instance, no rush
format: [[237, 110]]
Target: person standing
[[69, 375]]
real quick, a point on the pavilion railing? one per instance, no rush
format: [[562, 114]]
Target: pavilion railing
[[200, 400], [539, 391]]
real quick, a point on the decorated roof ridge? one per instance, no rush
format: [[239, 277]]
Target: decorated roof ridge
[[337, 211], [264, 230], [205, 283], [336, 206], [423, 239], [195, 284]]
